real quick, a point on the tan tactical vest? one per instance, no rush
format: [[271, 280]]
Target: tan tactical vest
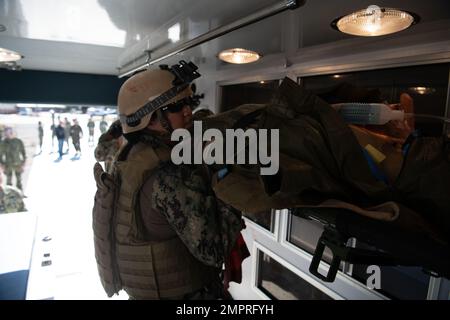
[[144, 269]]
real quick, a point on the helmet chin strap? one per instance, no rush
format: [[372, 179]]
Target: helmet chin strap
[[165, 123]]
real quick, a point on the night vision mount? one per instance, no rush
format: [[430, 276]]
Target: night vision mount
[[184, 72]]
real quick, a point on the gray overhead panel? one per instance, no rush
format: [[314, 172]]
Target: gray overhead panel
[[103, 36]]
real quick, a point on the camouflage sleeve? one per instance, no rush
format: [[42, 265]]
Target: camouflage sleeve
[[101, 150], [183, 196]]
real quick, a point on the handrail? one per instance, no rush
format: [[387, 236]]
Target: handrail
[[217, 32]]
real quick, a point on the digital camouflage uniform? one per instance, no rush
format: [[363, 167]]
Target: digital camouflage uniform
[[12, 158], [108, 145], [183, 194], [206, 226], [106, 150], [11, 200]]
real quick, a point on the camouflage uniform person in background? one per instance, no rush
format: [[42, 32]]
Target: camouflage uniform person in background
[[40, 134], [91, 126], [76, 133], [108, 145], [67, 132], [11, 199], [103, 125], [12, 157]]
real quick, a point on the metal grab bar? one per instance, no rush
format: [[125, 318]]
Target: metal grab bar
[[217, 32]]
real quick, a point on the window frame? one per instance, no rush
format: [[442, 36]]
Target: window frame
[[259, 248]]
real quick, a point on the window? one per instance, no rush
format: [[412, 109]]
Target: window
[[264, 219], [305, 234], [396, 282], [427, 86], [254, 92], [278, 282]]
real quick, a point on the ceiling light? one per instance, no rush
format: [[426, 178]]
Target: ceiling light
[[422, 90], [9, 56], [174, 32], [375, 21], [238, 56]]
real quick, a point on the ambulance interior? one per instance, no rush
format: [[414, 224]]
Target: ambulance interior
[[75, 54]]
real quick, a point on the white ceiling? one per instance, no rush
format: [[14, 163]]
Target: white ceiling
[[96, 36]]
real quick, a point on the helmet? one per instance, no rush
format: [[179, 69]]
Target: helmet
[[142, 88]]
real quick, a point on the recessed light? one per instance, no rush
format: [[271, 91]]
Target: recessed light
[[239, 56], [375, 21]]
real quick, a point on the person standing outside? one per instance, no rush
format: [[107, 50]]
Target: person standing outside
[[76, 133], [40, 135], [103, 125], [12, 157], [67, 133], [91, 126], [60, 135]]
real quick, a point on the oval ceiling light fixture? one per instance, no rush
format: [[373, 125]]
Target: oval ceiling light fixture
[[375, 21], [422, 90], [239, 56], [9, 56]]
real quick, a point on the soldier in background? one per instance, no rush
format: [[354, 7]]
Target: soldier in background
[[76, 133], [109, 144], [11, 198], [40, 135], [103, 125], [91, 126], [67, 132], [59, 133], [12, 157]]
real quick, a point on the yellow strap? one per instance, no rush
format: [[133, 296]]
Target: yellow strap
[[376, 154]]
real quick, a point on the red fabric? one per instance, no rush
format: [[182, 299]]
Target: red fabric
[[233, 263]]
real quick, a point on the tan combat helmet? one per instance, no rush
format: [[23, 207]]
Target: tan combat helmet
[[149, 91]]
